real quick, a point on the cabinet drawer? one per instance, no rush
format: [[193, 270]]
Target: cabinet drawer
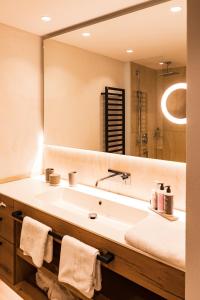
[[6, 224], [6, 202], [6, 260]]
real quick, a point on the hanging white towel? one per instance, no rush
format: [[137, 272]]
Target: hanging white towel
[[35, 241], [79, 266]]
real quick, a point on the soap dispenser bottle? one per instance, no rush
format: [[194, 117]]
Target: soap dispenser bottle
[[160, 203], [168, 201]]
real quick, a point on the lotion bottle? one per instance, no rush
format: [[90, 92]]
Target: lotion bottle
[[154, 195], [168, 201], [160, 204]]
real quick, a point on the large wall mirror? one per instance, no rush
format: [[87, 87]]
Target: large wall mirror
[[140, 54]]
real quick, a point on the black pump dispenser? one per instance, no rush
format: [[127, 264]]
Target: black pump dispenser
[[168, 190], [162, 186]]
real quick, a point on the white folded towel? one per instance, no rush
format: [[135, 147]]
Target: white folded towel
[[79, 266], [47, 282], [35, 241], [44, 280], [161, 238], [57, 292]]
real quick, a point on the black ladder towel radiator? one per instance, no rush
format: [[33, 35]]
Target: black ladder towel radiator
[[114, 109]]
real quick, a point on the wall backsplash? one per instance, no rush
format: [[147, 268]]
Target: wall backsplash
[[92, 165]]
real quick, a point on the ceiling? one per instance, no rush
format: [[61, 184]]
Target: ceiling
[[155, 34], [26, 14]]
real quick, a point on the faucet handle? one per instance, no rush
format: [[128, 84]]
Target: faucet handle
[[125, 176]]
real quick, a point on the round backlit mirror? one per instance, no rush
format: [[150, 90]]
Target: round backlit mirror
[[173, 103]]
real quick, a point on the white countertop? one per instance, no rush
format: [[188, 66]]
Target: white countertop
[[26, 191]]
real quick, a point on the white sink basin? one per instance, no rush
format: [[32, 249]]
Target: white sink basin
[[79, 202]]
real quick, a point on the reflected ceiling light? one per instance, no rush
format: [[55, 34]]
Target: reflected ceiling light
[[129, 51], [161, 63], [46, 19], [167, 93], [176, 9], [86, 34]]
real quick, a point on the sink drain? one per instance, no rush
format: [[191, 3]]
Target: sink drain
[[92, 215]]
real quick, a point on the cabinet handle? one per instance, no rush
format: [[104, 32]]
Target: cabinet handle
[[1, 219], [3, 205]]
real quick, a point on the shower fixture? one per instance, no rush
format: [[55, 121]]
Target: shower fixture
[[166, 71], [141, 118]]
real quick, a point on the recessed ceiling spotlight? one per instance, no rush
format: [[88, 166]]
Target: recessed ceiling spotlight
[[129, 51], [46, 18], [176, 9], [86, 34]]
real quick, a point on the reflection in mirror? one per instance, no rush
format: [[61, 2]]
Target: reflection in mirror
[[176, 104], [173, 103], [128, 53]]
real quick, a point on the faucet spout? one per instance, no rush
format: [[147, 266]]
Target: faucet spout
[[106, 177], [124, 175]]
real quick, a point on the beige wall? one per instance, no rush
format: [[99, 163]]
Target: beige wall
[[74, 80], [193, 155], [21, 108]]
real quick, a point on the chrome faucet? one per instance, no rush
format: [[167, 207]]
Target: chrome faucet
[[124, 176]]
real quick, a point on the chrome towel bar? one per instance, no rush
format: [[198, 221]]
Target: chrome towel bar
[[105, 257]]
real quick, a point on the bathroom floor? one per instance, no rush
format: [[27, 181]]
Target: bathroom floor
[[7, 293]]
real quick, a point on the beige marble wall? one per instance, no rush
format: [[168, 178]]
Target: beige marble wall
[[171, 144], [92, 165], [173, 135], [21, 102], [148, 86]]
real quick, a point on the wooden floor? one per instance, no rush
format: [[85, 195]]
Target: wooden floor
[[6, 293]]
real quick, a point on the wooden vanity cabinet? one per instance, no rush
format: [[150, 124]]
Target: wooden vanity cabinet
[[6, 261], [6, 239], [153, 275]]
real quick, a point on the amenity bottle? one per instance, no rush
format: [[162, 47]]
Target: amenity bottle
[[160, 204], [168, 201]]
